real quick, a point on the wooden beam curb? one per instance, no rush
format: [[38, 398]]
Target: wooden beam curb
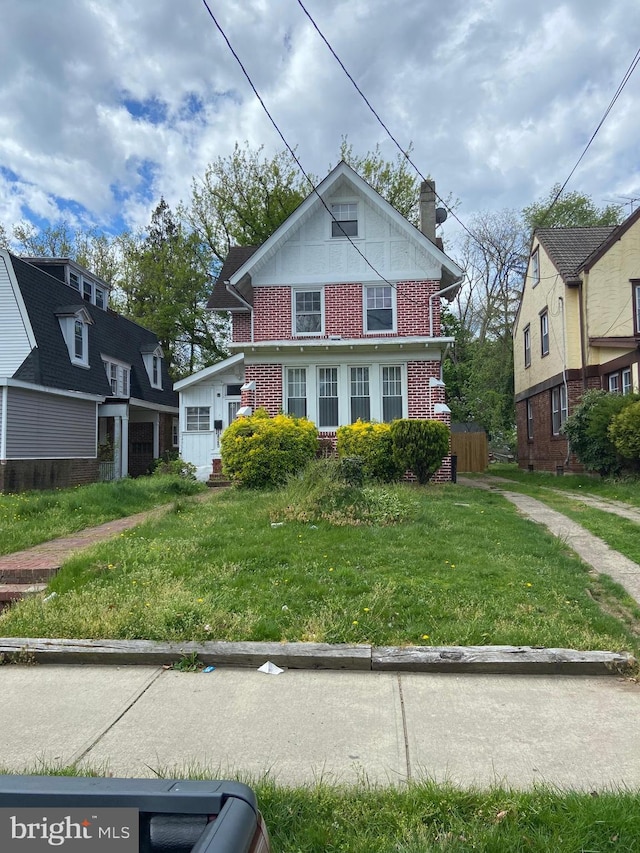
[[525, 660], [151, 653]]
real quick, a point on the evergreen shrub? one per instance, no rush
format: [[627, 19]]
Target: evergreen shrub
[[588, 430], [419, 446]]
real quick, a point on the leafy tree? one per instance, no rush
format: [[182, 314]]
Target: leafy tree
[[4, 238], [572, 209], [393, 180], [166, 292], [243, 198]]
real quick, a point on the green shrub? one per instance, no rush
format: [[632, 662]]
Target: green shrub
[[352, 470], [624, 432], [588, 430], [419, 446], [262, 452], [171, 463], [372, 443]]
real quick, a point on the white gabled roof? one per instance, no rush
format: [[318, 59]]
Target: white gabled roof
[[208, 372], [315, 199]]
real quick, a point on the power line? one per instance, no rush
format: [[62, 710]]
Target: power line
[[618, 92], [404, 153], [288, 147]]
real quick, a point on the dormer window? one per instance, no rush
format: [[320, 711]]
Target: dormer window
[[118, 374], [153, 363], [345, 220], [74, 325]]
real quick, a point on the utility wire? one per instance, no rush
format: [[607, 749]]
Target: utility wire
[[289, 148], [632, 67]]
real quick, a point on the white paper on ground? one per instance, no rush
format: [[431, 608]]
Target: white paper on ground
[[270, 668]]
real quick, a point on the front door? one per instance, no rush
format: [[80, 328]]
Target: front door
[[140, 448]]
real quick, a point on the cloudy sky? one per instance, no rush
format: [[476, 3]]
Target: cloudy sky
[[107, 104]]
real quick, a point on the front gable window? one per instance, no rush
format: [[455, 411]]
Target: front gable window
[[535, 267], [153, 364], [344, 221], [307, 312], [74, 325], [378, 308]]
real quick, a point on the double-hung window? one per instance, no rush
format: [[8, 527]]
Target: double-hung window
[[79, 341], [391, 393], [544, 332], [558, 408], [614, 383], [530, 419], [307, 312], [378, 306], [636, 307], [198, 418], [626, 380], [527, 346], [297, 391], [327, 396], [360, 394], [344, 222]]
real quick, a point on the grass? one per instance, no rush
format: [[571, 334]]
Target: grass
[[430, 818], [626, 490], [457, 567], [29, 518]]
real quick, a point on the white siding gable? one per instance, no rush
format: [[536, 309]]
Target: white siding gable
[[309, 254], [16, 336]]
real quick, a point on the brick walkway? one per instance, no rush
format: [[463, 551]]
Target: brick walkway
[[31, 569]]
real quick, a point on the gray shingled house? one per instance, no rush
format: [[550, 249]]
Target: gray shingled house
[[84, 393]]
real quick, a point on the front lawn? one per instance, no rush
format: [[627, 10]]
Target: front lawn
[[463, 568], [29, 518]]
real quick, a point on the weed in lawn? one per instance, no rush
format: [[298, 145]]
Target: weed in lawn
[[189, 663], [471, 574]]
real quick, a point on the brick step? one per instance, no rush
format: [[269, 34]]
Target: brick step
[[217, 481], [27, 574], [10, 592]]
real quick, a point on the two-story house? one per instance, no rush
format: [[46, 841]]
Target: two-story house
[[78, 382], [578, 327], [335, 317]]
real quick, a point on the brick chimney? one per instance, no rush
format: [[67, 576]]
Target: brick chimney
[[428, 209]]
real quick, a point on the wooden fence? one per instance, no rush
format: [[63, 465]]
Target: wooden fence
[[472, 450]]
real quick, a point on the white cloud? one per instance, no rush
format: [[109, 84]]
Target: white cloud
[[108, 104]]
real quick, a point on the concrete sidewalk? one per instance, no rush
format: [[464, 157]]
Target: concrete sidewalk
[[341, 727]]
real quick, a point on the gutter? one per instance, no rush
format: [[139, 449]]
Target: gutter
[[440, 293]]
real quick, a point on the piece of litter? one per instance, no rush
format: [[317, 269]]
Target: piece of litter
[[284, 608], [270, 668], [209, 669], [313, 527], [277, 523], [50, 596], [461, 504]]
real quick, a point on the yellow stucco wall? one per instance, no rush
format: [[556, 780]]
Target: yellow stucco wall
[[564, 330], [608, 291]]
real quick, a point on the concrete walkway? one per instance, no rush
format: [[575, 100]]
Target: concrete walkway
[[340, 727], [590, 549]]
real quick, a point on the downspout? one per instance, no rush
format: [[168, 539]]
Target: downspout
[[231, 289], [583, 352], [564, 371], [3, 424], [432, 297]]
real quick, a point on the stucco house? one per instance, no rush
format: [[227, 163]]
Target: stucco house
[[335, 317], [577, 327], [78, 382]]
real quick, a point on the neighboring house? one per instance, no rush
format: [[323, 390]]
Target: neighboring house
[[578, 327], [78, 382], [320, 333]]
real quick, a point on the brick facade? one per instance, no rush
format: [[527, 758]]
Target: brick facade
[[545, 451], [24, 474], [268, 393], [240, 327]]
